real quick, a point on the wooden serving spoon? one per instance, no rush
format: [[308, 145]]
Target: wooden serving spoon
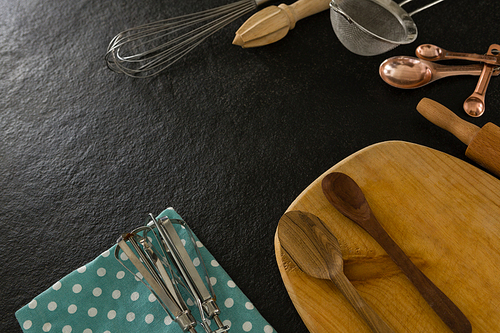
[[346, 196], [317, 253]]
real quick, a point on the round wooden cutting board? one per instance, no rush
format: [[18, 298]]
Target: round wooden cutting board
[[445, 215]]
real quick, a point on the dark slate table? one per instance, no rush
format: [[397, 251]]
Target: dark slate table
[[228, 137]]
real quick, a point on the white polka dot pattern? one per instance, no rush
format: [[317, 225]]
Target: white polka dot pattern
[[247, 326], [101, 271], [97, 291], [149, 318], [196, 262], [229, 302], [103, 297], [32, 304], [77, 288], [135, 296], [46, 327], [116, 294], [52, 306], [130, 316], [111, 314], [72, 308], [92, 312], [27, 324]]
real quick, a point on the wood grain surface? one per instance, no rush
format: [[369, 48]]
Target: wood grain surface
[[316, 251], [444, 214]]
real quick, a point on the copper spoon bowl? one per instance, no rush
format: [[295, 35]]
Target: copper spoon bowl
[[409, 72], [474, 105]]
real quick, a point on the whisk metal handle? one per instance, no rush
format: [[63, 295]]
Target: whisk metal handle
[[260, 2]]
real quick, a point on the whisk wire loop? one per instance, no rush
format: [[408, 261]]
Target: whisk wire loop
[[148, 49]]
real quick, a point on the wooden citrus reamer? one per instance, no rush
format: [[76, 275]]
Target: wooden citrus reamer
[[483, 144], [273, 22]]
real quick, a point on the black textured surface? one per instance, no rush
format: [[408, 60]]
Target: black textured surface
[[228, 136]]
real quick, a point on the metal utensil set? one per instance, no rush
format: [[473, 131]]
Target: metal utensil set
[[408, 72], [163, 264], [365, 27]]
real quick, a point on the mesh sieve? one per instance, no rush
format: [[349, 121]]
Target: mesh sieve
[[371, 27]]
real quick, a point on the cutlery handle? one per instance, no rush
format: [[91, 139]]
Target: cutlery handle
[[449, 313], [362, 308]]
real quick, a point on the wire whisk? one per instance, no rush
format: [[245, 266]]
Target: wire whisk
[[146, 50]]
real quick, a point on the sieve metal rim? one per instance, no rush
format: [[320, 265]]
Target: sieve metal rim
[[393, 8]]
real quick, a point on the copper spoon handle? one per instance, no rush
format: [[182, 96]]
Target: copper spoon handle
[[474, 105], [431, 52]]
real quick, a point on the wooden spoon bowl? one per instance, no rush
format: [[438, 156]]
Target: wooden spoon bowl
[[317, 253]]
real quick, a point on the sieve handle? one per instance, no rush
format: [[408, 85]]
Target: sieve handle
[[421, 8]]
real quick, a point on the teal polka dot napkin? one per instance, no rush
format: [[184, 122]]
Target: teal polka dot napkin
[[103, 297]]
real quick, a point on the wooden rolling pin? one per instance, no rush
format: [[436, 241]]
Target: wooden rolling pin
[[483, 144], [273, 23]]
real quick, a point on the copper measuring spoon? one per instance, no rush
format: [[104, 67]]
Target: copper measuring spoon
[[317, 253], [431, 52], [474, 105], [348, 198], [409, 72]]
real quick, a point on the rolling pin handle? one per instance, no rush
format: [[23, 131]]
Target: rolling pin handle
[[483, 144], [447, 120]]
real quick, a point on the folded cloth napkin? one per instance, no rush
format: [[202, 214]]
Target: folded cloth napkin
[[103, 297]]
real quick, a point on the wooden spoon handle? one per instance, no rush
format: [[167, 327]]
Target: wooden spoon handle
[[362, 308], [439, 302]]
